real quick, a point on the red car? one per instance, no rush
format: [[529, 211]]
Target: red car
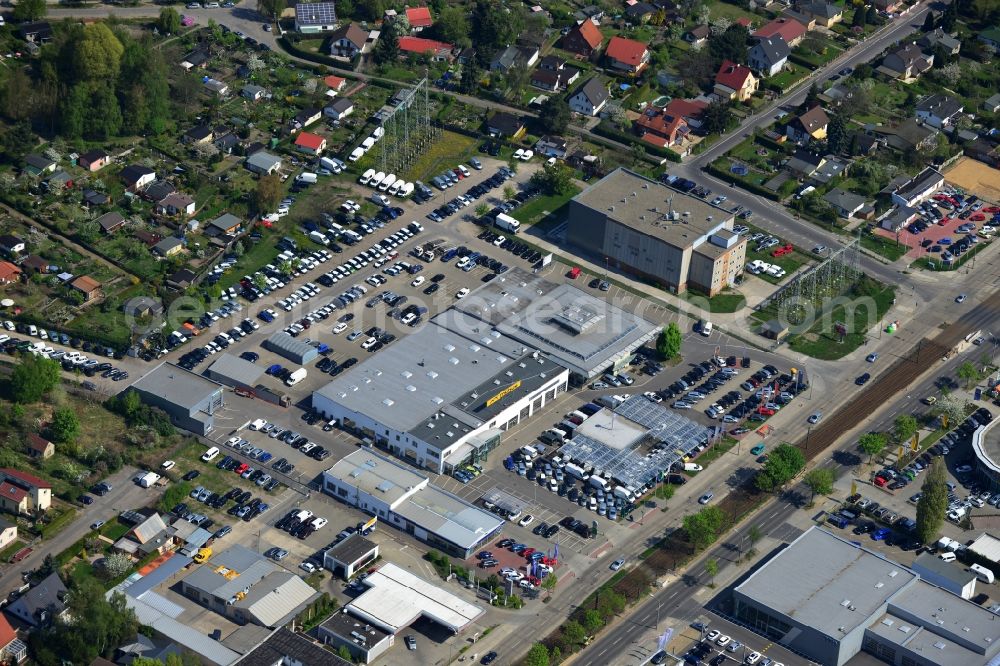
[[783, 250], [574, 273], [242, 468], [881, 481], [528, 551]]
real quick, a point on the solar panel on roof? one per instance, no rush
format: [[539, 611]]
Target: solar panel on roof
[[321, 13]]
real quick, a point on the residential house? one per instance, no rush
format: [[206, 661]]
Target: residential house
[[845, 203], [984, 151], [197, 59], [111, 222], [768, 56], [38, 32], [803, 163], [226, 223], [627, 55], [888, 6], [24, 493], [176, 203], [93, 198], [591, 12], [142, 306], [506, 125], [788, 29], [697, 36], [220, 88], [639, 12], [907, 62], [898, 217], [93, 160], [35, 264], [990, 37], [8, 534], [60, 180], [514, 56], [811, 124], [142, 646], [735, 82], [992, 104], [42, 604], [554, 74], [198, 135], [938, 38], [263, 163], [182, 279], [824, 13], [38, 447], [590, 98], [37, 165], [939, 110], [348, 41], [435, 50], [226, 143], [335, 84], [314, 17], [169, 246], [254, 93], [136, 177], [158, 190], [11, 245], [419, 18], [551, 146], [908, 135], [147, 238], [658, 128], [583, 39], [919, 188], [306, 117], [9, 273], [340, 109], [307, 142], [690, 110], [88, 286]]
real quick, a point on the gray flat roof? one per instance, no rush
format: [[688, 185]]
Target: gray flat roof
[[376, 475], [420, 374], [281, 341], [825, 582], [216, 575], [448, 516], [236, 369], [176, 385], [644, 204], [345, 625], [351, 549], [953, 572], [572, 327], [971, 628]]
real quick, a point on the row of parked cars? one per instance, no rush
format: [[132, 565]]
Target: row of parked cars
[[475, 192], [301, 523]]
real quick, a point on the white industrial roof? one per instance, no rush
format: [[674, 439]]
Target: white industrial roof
[[396, 598], [988, 546]]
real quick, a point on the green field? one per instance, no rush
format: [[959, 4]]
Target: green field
[[536, 210], [883, 246], [447, 152]]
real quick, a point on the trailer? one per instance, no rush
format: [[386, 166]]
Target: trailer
[[148, 479], [264, 393]]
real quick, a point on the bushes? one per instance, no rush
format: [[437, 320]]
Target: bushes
[[745, 184], [52, 528], [608, 132]]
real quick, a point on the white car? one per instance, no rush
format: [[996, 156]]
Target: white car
[[500, 240], [308, 567], [417, 281], [462, 293], [527, 520], [506, 571], [723, 640], [369, 343], [258, 424], [168, 465], [753, 658], [519, 154], [713, 635], [339, 328], [232, 441], [527, 155]]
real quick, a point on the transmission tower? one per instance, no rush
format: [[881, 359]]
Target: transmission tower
[[408, 129]]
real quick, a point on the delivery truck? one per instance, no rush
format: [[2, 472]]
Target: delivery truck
[[507, 223], [296, 377]]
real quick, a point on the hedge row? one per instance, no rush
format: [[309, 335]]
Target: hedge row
[[616, 135]]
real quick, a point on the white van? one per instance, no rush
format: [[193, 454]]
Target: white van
[[210, 455], [947, 557], [366, 176], [395, 188], [982, 573], [387, 182], [376, 179]]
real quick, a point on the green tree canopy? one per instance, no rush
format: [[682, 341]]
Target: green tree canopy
[[32, 378], [30, 10], [169, 21], [386, 48], [703, 528], [554, 178], [668, 344], [872, 443], [904, 428], [573, 632], [933, 502], [968, 373], [730, 45], [65, 427], [717, 116], [819, 481], [452, 26], [538, 655], [268, 193], [494, 24], [783, 463], [554, 117]]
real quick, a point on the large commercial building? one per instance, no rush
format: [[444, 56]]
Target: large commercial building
[[586, 334], [441, 397], [670, 238], [828, 599], [986, 445], [188, 399], [294, 350], [234, 371], [404, 498]]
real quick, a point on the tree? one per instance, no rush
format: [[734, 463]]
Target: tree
[[812, 96], [471, 75], [904, 428], [538, 655], [592, 622], [32, 378], [952, 407], [860, 14], [65, 427], [452, 26], [573, 632], [933, 502], [837, 137], [169, 21], [271, 8], [554, 117], [97, 54], [116, 564], [871, 18], [716, 117], [386, 48], [730, 45], [928, 22], [712, 569], [968, 373], [783, 463], [668, 344], [30, 10], [268, 193], [703, 527], [872, 443], [18, 140], [820, 482], [509, 192], [494, 24], [554, 178]]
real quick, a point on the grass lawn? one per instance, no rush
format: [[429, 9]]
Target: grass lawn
[[539, 208], [82, 571], [115, 530], [720, 9], [884, 246], [447, 152], [11, 550], [721, 303], [785, 80]]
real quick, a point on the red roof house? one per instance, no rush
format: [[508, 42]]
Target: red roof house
[[9, 272], [735, 81], [583, 39], [419, 18], [335, 83], [659, 128], [307, 142], [689, 110], [437, 50], [627, 55], [788, 29]]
